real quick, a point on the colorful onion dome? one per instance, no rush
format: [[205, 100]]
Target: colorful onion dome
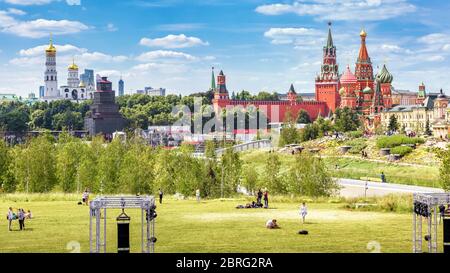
[[367, 90], [348, 77], [384, 76], [342, 91]]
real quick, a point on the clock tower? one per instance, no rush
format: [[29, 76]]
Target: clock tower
[[327, 81]]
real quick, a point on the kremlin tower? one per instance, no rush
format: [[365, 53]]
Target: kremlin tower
[[327, 82]]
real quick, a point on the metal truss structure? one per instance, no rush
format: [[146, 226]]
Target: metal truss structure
[[146, 204], [432, 202]]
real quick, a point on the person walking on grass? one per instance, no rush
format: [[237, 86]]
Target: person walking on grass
[[197, 195], [266, 199], [303, 212], [160, 196], [383, 178], [10, 218]]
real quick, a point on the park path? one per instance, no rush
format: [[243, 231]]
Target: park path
[[356, 188]]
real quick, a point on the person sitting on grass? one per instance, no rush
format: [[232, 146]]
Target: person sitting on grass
[[28, 215], [86, 197], [272, 224]]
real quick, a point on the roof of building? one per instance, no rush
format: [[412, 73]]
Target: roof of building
[[348, 76], [292, 89], [384, 76], [51, 47], [330, 37]]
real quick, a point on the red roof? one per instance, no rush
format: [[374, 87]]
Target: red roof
[[348, 76]]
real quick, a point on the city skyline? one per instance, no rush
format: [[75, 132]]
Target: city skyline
[[263, 45]]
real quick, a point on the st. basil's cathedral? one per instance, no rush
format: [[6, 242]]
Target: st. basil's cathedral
[[360, 91]]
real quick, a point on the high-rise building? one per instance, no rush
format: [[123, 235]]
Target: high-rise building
[[121, 87], [88, 77], [51, 76], [41, 91], [327, 81]]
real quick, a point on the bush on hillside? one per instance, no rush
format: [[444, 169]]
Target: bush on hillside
[[355, 134], [397, 140], [358, 145], [401, 150]]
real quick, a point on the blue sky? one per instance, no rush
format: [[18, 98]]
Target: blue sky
[[260, 45]]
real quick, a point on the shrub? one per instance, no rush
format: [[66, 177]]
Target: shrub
[[358, 145], [397, 140], [355, 134], [401, 150]]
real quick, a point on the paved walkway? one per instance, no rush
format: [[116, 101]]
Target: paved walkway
[[356, 188]]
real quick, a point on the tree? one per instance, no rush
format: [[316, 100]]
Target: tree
[[303, 117], [137, 173], [231, 167], [444, 169], [428, 131], [68, 153], [289, 132], [272, 179], [88, 165], [33, 165], [250, 178], [109, 165], [308, 176], [346, 120], [7, 182], [393, 123], [310, 132]]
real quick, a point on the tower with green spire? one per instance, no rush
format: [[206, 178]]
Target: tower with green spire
[[213, 81]]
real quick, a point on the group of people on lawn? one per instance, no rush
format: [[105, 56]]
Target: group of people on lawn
[[21, 215]]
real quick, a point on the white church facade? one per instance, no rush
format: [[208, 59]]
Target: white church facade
[[75, 89]]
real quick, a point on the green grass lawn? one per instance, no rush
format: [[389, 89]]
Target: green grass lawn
[[214, 226], [358, 168], [409, 175]]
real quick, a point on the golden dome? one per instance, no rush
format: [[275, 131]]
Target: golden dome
[[363, 33], [51, 48], [82, 85], [73, 66]]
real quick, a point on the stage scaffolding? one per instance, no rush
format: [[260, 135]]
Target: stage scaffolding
[[97, 243], [432, 202]]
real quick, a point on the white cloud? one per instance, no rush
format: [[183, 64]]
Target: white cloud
[[297, 36], [111, 27], [16, 11], [40, 2], [164, 55], [73, 2], [39, 50], [173, 41], [37, 28], [344, 10], [29, 2]]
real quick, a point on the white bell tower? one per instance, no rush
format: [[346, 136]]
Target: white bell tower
[[51, 76]]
